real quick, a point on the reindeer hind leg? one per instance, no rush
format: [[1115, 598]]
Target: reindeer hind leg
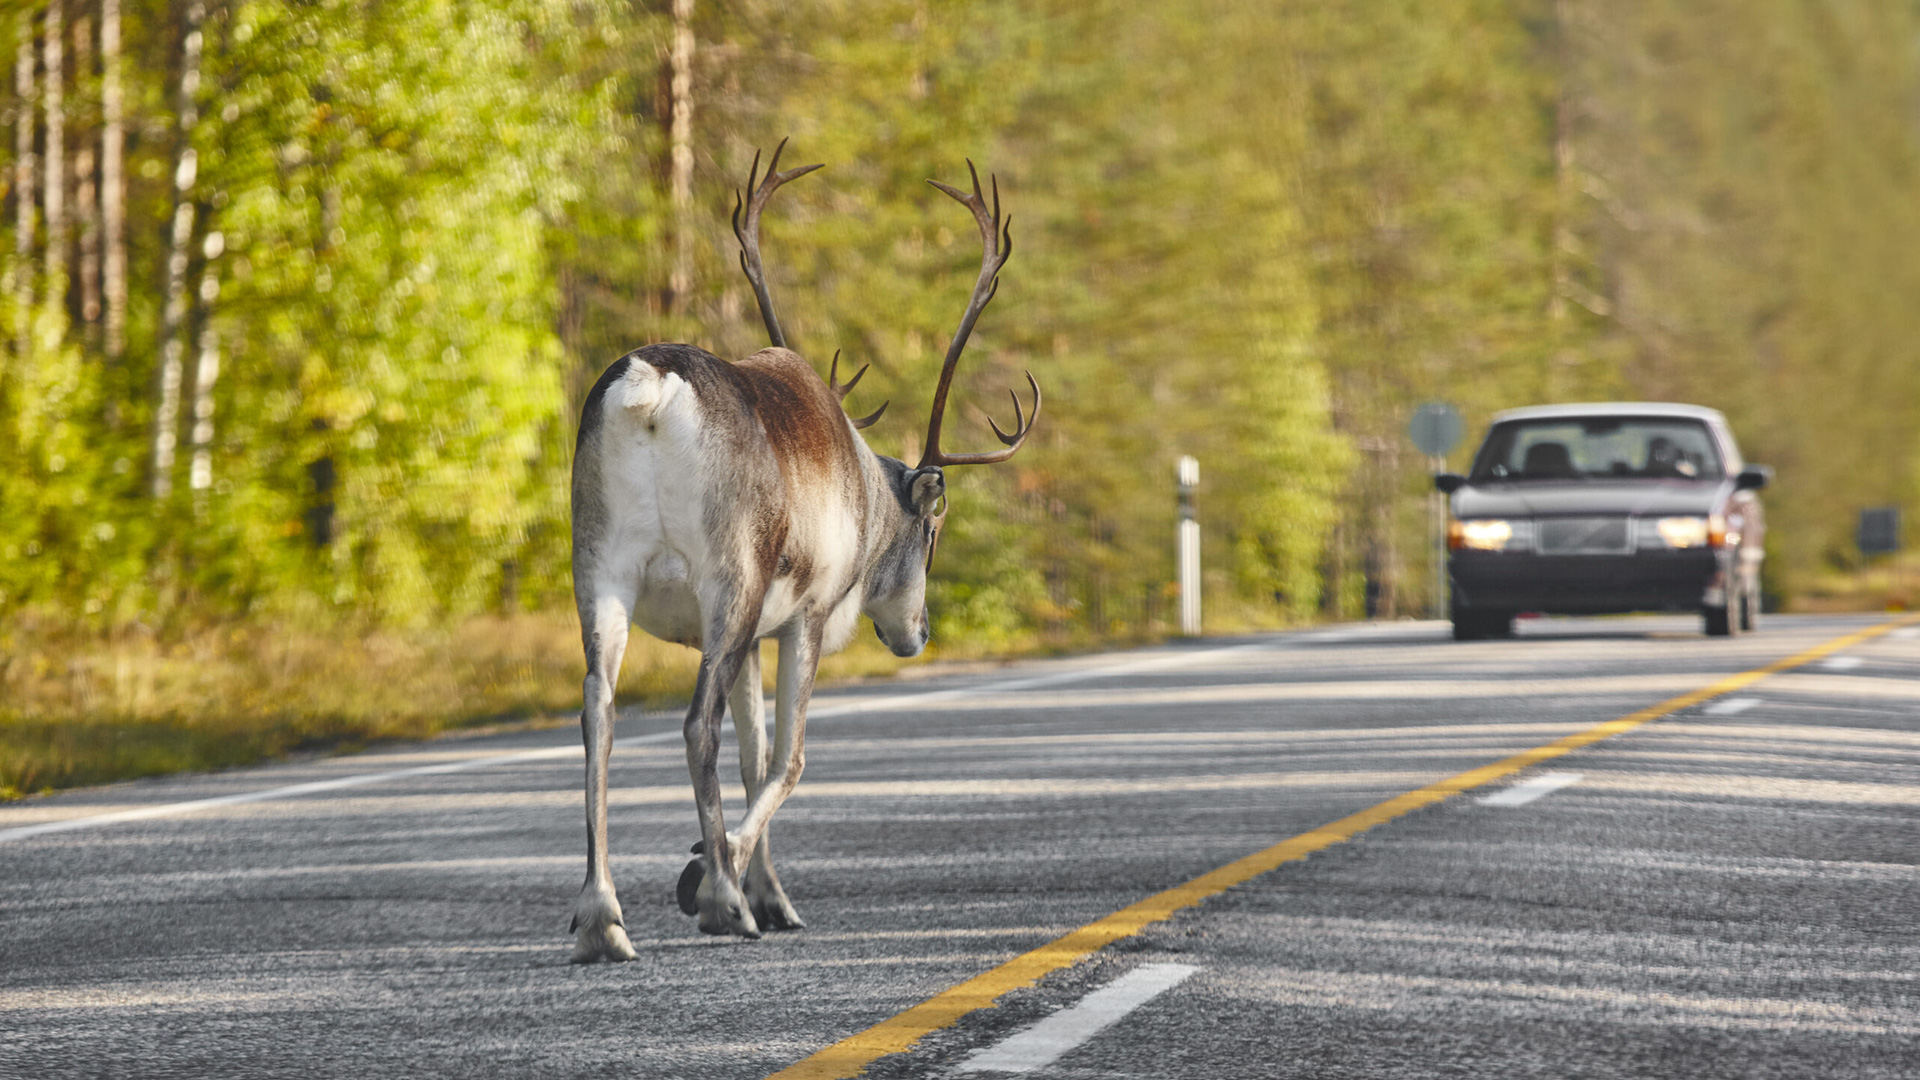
[[745, 704], [721, 906], [598, 924]]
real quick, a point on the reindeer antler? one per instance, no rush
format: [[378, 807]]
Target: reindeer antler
[[996, 240], [750, 237], [841, 390]]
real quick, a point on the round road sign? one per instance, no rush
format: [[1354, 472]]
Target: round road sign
[[1436, 428]]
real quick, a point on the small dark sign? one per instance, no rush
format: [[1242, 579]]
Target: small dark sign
[[1879, 532]]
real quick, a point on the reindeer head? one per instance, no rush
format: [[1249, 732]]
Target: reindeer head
[[896, 584]]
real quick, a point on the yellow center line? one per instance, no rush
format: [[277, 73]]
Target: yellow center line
[[850, 1057]]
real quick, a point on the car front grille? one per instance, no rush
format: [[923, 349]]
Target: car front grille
[[1585, 536]]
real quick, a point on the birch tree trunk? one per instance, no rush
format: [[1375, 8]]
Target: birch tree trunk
[[23, 167], [54, 199], [680, 280], [86, 208], [173, 346], [113, 188], [206, 367], [1568, 251], [1563, 166]]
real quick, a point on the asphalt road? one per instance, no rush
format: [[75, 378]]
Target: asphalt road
[[1732, 891]]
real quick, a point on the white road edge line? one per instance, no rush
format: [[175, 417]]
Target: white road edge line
[[142, 813], [891, 702], [851, 708], [1525, 792], [1042, 1044], [1732, 706]]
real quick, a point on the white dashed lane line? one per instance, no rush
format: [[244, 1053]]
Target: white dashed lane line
[[1841, 663], [1523, 793], [1732, 706], [1042, 1044]]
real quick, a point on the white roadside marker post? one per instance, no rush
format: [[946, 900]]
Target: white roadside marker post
[[1187, 548], [1437, 605]]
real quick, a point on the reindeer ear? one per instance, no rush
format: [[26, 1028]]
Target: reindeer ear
[[926, 488]]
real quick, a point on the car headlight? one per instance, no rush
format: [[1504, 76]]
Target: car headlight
[[1685, 532], [1480, 534]]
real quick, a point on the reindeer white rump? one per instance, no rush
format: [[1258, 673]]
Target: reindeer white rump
[[717, 504]]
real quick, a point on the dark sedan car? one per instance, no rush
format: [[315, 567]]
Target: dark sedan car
[[1589, 509]]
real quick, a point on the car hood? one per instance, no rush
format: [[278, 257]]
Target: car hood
[[1599, 498]]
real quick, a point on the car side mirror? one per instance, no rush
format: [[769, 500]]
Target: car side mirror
[[1449, 482], [1753, 478]]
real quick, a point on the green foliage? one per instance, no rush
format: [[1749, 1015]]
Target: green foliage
[[376, 188], [1256, 233], [390, 256], [1754, 166]]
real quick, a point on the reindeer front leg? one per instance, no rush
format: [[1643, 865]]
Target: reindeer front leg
[[719, 902], [597, 920], [767, 900], [799, 660]]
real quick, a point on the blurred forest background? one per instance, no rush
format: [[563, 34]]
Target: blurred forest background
[[300, 299]]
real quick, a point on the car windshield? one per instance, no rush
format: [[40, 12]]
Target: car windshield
[[1575, 448]]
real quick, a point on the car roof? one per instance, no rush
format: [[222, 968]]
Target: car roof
[[1610, 408]]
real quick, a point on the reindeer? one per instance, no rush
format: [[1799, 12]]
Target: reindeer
[[716, 504]]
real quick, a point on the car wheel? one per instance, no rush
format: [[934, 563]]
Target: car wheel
[[1720, 621]]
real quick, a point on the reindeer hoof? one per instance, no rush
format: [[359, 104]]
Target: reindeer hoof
[[688, 891], [777, 916], [771, 908], [599, 931], [723, 909], [608, 942]]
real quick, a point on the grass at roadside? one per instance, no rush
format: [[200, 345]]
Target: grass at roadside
[[1886, 585], [78, 708]]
